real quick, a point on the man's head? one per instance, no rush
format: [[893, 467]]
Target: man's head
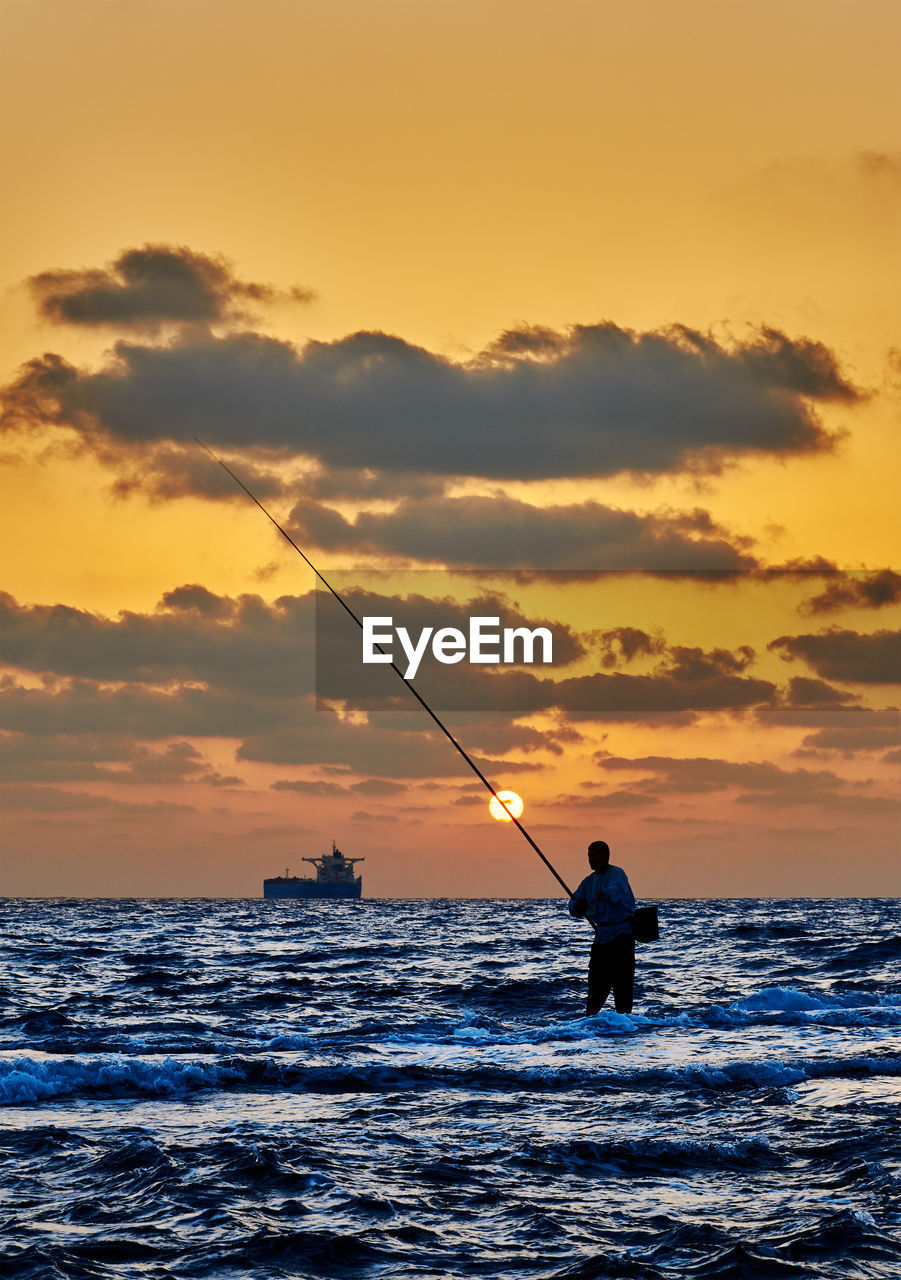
[[599, 855]]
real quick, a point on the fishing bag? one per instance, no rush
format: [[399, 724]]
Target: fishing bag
[[644, 924]]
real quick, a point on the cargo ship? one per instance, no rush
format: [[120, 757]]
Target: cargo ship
[[334, 879]]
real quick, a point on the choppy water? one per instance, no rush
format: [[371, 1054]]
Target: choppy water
[[407, 1089]]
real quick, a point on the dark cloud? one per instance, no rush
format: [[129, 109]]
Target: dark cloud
[[193, 596], [840, 728], [856, 591], [241, 645], [835, 726], [377, 787], [178, 762], [596, 400], [688, 680], [151, 286], [63, 758], [622, 799], [319, 787], [624, 644], [825, 715], [503, 532], [836, 654], [164, 471], [851, 740], [759, 783], [804, 692], [91, 707], [799, 365], [370, 749], [103, 758], [843, 802], [699, 775], [57, 800]]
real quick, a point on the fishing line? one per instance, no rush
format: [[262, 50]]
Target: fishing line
[[416, 694]]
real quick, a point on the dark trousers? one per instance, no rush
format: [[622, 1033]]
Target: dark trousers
[[612, 964]]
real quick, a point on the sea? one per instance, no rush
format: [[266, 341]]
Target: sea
[[378, 1089]]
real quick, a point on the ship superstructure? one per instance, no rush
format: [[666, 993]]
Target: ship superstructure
[[334, 879]]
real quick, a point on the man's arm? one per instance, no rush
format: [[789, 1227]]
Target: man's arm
[[578, 903]]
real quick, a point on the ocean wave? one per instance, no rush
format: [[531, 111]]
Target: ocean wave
[[868, 953], [652, 1156], [59, 1033], [35, 1080]]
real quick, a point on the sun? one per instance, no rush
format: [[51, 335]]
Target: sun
[[506, 805]]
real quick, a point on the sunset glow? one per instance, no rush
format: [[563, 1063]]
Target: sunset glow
[[590, 311]]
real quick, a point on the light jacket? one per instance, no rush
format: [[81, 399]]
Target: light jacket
[[606, 898]]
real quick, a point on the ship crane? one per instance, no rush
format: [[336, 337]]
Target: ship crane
[[333, 867]]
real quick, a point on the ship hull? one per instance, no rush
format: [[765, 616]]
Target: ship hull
[[303, 888]]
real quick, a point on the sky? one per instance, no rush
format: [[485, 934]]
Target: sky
[[582, 315]]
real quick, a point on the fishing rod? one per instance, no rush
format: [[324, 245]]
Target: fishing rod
[[415, 692]]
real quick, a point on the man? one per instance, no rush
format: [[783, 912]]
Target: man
[[606, 899]]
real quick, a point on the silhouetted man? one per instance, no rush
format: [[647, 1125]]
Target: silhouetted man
[[606, 899]]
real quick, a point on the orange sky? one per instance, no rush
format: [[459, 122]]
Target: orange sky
[[443, 174]]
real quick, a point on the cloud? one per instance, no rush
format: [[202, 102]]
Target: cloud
[[597, 400], [63, 758], [622, 799], [804, 692], [148, 287], [377, 787], [759, 783], [177, 762], [319, 787], [88, 758], [373, 749], [502, 532], [825, 715], [850, 740], [835, 726], [856, 591], [840, 801], [624, 644], [194, 597], [57, 800], [165, 471], [836, 654], [700, 775], [242, 645], [316, 787]]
